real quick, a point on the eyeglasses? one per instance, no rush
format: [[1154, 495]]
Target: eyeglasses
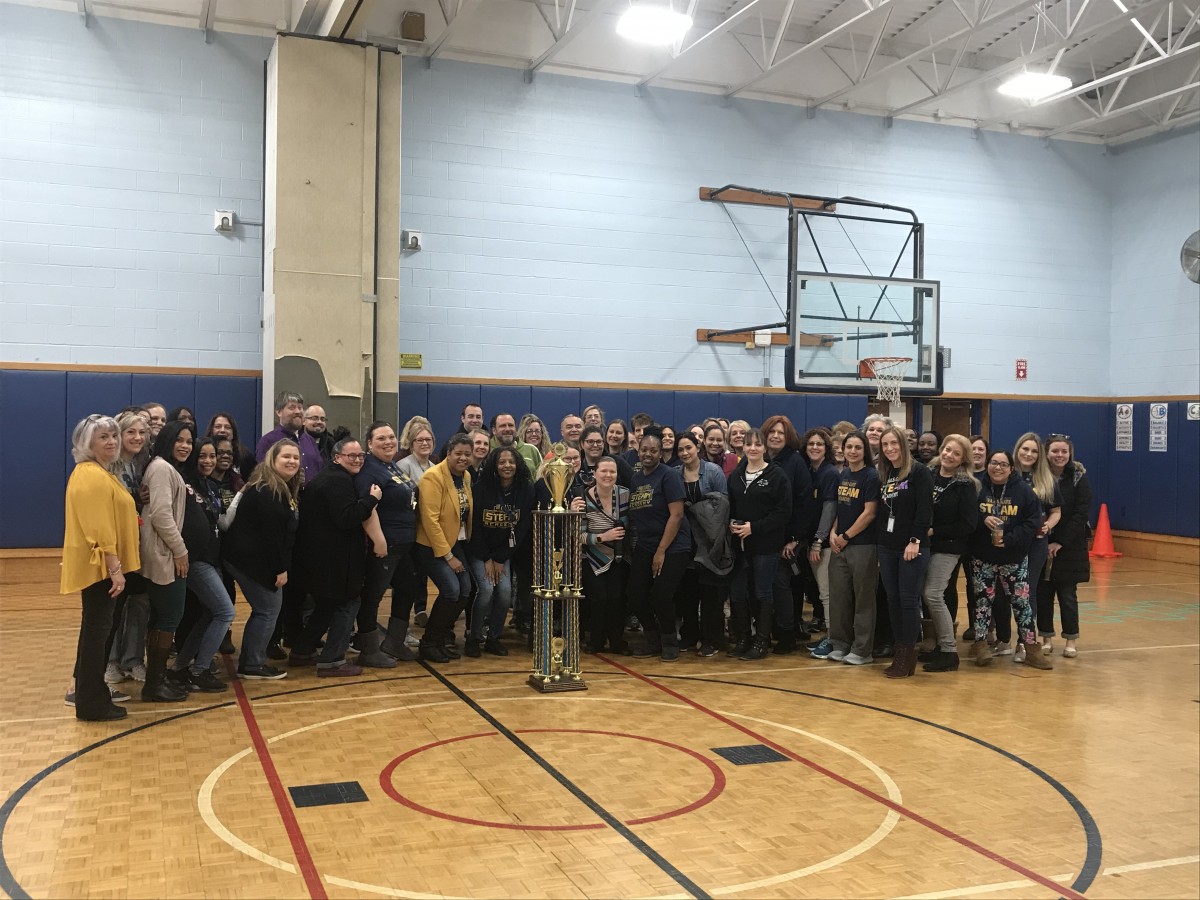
[[316, 418], [1057, 437], [594, 441], [353, 456], [423, 440], [999, 465]]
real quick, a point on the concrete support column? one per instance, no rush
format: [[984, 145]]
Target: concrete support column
[[332, 229]]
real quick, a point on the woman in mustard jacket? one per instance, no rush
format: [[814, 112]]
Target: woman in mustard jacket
[[100, 545], [444, 515]]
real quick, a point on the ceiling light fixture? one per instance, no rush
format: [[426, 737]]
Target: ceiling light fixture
[[651, 24], [1034, 85]]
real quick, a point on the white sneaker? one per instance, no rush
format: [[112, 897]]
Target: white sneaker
[[999, 648], [1019, 657], [411, 640], [1047, 647], [836, 655], [855, 660], [138, 672], [113, 674]]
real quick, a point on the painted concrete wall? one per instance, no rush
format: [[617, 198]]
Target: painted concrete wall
[[1155, 309], [565, 239], [117, 143]]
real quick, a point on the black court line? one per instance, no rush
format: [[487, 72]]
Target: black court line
[[7, 880], [1095, 846], [609, 819]]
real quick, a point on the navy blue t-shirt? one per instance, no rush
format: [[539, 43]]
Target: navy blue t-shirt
[[649, 496], [855, 491], [397, 512]]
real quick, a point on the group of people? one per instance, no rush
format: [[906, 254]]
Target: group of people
[[698, 539]]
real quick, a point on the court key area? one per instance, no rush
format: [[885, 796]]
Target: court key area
[[789, 777]]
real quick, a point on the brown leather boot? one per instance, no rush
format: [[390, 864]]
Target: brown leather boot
[[1035, 659], [981, 652], [903, 663]]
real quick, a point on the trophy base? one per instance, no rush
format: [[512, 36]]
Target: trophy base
[[548, 685]]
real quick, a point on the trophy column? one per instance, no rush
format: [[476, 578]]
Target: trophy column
[[557, 586]]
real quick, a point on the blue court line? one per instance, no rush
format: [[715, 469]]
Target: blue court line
[[1095, 847], [609, 819]]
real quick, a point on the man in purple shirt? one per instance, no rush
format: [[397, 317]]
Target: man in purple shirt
[[289, 409]]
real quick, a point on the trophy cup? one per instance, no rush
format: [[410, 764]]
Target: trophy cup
[[557, 568]]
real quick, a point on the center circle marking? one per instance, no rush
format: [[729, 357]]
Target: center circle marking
[[389, 788]]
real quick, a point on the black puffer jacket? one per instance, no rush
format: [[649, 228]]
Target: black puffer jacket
[[1071, 565]]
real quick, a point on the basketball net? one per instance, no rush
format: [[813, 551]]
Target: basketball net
[[888, 372]]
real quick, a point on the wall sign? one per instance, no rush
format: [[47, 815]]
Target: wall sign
[[1158, 427], [1022, 369], [1125, 427], [1193, 410], [411, 361]]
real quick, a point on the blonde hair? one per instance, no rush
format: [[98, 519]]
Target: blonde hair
[[1043, 478], [544, 444], [964, 467], [265, 475], [884, 465], [85, 432], [410, 429], [843, 428]]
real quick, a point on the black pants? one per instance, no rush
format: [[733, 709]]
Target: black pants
[[883, 617], [335, 615], [700, 608], [1068, 603], [99, 612], [653, 599], [812, 591], [606, 599], [522, 573]]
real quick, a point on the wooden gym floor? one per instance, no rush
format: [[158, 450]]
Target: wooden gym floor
[[702, 778]]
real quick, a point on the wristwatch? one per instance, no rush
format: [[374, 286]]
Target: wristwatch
[[916, 541]]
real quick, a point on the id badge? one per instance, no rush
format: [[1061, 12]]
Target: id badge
[[512, 538], [891, 524]]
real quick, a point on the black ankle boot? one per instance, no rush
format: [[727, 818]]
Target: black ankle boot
[[157, 689], [742, 645], [757, 650]]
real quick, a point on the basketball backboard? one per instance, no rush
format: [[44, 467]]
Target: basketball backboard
[[837, 321]]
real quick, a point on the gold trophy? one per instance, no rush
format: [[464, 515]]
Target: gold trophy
[[557, 567]]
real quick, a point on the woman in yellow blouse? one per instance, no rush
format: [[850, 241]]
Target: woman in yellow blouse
[[100, 544]]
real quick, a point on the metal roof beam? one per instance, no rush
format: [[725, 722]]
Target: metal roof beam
[[1125, 110], [208, 15], [812, 45], [704, 40], [569, 35], [1074, 38], [961, 35], [465, 8]]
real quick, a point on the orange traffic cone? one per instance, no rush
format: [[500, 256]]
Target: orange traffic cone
[[1102, 546]]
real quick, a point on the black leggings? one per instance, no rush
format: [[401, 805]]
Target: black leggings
[[653, 599], [606, 606]]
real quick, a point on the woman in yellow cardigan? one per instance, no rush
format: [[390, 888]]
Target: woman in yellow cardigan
[[100, 544], [444, 510]]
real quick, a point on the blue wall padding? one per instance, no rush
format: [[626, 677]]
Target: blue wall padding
[[33, 475], [31, 483], [552, 404], [1151, 492]]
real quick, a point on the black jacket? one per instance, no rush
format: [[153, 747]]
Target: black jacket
[[910, 509], [1022, 515], [260, 540], [1071, 565], [955, 514], [800, 525], [766, 503], [331, 543]]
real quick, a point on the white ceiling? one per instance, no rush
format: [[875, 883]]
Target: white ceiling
[[1136, 72]]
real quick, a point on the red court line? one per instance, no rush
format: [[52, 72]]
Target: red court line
[[312, 878], [854, 786]]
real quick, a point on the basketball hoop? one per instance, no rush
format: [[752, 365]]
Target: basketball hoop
[[888, 372]]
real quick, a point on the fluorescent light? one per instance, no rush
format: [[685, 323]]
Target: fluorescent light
[[647, 24], [1034, 85]]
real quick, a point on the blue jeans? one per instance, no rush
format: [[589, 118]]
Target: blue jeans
[[903, 580], [265, 604], [755, 575], [493, 600], [451, 586], [216, 616]]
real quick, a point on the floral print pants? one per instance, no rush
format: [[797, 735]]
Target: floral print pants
[[1014, 579]]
